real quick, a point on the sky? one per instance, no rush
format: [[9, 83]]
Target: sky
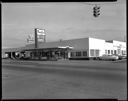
[[62, 20]]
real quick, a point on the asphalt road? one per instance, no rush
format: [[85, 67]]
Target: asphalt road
[[64, 79]]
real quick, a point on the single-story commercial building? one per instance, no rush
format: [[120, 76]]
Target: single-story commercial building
[[83, 48]]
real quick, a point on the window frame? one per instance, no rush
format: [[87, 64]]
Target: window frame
[[78, 53], [85, 53], [108, 51], [92, 50]]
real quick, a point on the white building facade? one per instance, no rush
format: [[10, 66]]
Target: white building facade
[[98, 47], [83, 48]]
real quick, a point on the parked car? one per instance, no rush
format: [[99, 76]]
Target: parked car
[[122, 57], [109, 57]]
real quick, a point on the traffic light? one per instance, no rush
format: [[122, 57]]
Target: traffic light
[[96, 11]]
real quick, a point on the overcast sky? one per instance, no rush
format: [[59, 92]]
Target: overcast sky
[[62, 21]]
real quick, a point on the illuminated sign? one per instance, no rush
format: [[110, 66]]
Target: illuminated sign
[[40, 32]]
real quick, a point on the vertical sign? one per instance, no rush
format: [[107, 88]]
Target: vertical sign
[[41, 35]]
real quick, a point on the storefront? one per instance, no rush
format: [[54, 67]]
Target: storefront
[[83, 48], [47, 53]]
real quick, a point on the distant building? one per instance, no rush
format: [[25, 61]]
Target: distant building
[[84, 48]]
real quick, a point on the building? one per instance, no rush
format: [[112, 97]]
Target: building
[[83, 48]]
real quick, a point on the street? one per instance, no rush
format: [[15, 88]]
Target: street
[[64, 79]]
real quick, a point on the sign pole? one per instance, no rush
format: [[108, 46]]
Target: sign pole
[[36, 40]]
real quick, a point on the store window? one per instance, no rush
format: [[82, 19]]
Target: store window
[[97, 52], [108, 51], [43, 54], [72, 54], [84, 53], [115, 52], [119, 51], [92, 52], [123, 52], [78, 53], [111, 51]]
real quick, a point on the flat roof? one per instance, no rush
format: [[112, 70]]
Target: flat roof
[[81, 43]]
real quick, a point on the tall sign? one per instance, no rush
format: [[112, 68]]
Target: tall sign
[[39, 36]]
